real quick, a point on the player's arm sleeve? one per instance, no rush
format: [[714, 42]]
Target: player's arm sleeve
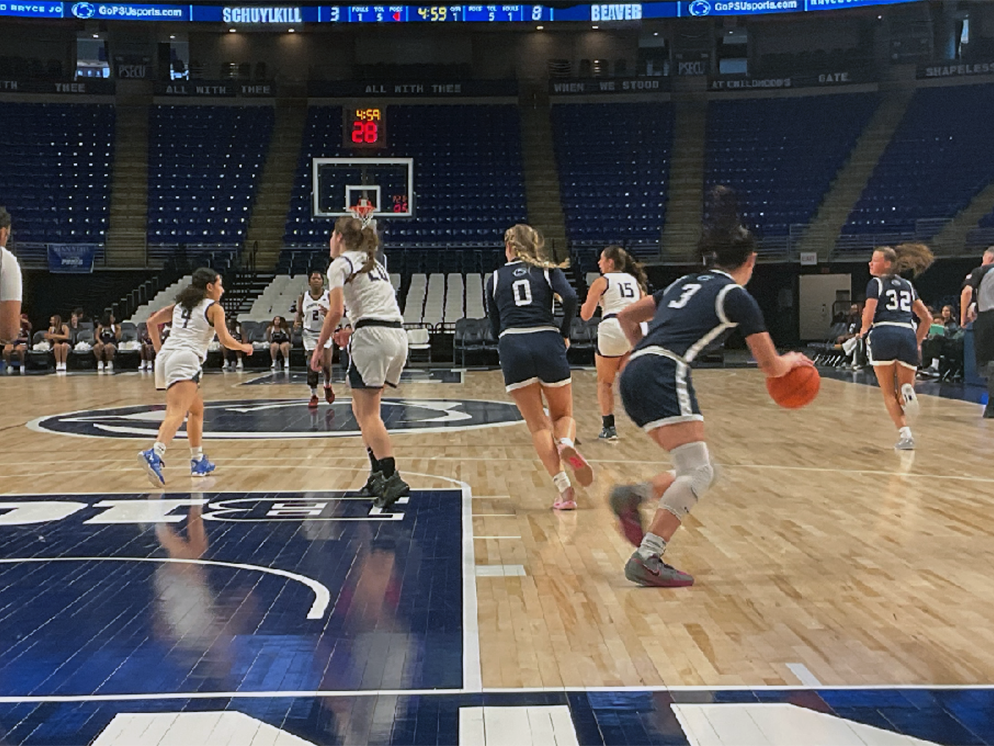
[[742, 309], [493, 313], [339, 272], [562, 288], [10, 277]]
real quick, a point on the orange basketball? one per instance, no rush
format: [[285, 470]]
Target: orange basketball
[[796, 389]]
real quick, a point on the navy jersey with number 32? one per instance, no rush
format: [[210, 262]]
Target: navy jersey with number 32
[[895, 297], [698, 311]]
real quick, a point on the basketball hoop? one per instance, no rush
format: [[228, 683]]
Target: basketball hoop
[[363, 212]]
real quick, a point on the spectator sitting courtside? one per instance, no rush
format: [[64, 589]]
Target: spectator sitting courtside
[[19, 346], [58, 335]]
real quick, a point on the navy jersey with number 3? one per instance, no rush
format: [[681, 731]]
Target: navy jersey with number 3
[[895, 297], [698, 311]]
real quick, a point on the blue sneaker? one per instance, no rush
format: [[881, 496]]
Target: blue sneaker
[[152, 464], [201, 468]]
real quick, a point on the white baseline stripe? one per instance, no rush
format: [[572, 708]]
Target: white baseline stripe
[[166, 696]]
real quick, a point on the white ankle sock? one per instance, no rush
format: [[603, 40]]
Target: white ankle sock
[[561, 481]]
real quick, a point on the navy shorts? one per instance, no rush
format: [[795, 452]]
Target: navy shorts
[[656, 390], [893, 344], [533, 357]]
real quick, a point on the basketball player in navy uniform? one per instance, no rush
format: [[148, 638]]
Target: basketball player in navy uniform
[[377, 347], [196, 316], [622, 282], [690, 316], [10, 284], [311, 309], [977, 305], [532, 349], [894, 343]]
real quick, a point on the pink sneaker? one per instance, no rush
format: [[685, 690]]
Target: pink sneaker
[[566, 500], [581, 469]]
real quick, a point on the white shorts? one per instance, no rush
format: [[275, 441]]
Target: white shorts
[[174, 366], [611, 341], [377, 355], [10, 276], [310, 340]]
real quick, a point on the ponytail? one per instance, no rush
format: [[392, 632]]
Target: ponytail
[[916, 257], [625, 262], [196, 291], [359, 238], [529, 247]]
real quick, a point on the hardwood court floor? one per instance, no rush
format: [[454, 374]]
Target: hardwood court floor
[[819, 546]]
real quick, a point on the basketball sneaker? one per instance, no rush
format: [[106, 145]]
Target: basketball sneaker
[[286, 366], [329, 394], [905, 444], [100, 366], [389, 490], [153, 465], [581, 469], [239, 365], [909, 401], [313, 403], [110, 366], [625, 501], [367, 489], [201, 467], [654, 573], [566, 500], [608, 433]]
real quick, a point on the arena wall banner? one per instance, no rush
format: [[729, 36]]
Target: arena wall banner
[[403, 89], [71, 258], [586, 87], [834, 78], [211, 88], [955, 69], [217, 88], [89, 86], [284, 15]]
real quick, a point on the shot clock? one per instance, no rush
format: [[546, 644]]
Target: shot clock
[[364, 127]]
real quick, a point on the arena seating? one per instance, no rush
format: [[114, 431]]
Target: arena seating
[[781, 155], [204, 164], [56, 173], [613, 162], [467, 174], [938, 159]]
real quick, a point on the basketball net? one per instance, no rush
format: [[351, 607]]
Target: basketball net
[[363, 212]]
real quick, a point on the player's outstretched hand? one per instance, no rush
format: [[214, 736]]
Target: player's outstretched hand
[[248, 349]]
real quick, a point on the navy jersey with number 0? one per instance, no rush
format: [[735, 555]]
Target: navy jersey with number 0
[[698, 311], [895, 296], [519, 296]]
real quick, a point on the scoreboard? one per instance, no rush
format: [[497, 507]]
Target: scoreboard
[[364, 127]]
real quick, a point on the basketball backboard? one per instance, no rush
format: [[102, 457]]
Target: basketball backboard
[[340, 183]]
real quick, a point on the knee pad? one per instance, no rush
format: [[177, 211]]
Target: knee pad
[[312, 376], [693, 473]]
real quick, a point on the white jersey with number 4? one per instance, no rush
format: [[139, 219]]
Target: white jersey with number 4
[[368, 295], [622, 290], [191, 331], [312, 311]]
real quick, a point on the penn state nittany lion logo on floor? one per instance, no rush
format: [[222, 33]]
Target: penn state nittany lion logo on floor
[[285, 418]]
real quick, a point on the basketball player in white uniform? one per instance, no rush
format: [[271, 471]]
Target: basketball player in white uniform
[[311, 309], [195, 317], [622, 282], [10, 285], [377, 348]]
